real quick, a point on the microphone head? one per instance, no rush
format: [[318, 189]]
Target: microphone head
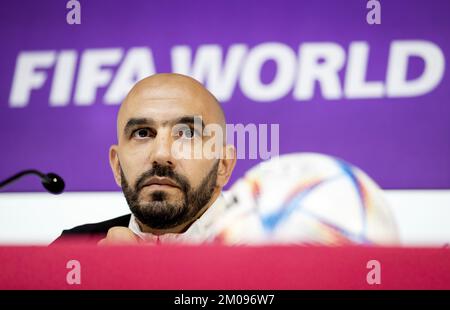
[[53, 183]]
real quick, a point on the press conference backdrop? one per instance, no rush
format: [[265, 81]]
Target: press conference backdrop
[[376, 95]]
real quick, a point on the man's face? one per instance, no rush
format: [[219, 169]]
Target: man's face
[[162, 188]]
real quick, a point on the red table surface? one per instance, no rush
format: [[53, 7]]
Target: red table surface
[[219, 267]]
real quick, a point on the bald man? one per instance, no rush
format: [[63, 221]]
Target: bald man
[[170, 175]]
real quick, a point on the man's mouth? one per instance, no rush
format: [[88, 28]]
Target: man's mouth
[[160, 183]]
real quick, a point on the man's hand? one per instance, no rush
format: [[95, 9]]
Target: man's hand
[[119, 236]]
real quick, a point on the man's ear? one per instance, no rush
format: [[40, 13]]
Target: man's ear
[[226, 165], [115, 164]]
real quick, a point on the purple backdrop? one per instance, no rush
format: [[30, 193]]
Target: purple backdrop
[[401, 142]]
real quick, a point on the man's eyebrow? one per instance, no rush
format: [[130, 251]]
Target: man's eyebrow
[[189, 119], [132, 122], [186, 119]]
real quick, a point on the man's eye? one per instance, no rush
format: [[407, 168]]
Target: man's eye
[[187, 132], [142, 133]]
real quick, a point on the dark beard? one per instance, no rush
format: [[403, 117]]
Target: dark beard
[[157, 212]]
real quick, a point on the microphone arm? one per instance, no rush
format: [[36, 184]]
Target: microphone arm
[[52, 182]]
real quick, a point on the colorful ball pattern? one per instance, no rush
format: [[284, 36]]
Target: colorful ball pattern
[[308, 199]]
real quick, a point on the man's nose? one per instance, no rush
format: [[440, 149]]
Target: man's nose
[[162, 154]]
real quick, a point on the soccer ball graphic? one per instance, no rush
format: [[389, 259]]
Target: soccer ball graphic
[[306, 198]]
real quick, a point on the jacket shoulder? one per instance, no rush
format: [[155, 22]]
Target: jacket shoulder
[[94, 231]]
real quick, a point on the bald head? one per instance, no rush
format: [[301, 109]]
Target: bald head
[[172, 89]]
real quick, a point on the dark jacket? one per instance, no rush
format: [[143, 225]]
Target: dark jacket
[[92, 232]]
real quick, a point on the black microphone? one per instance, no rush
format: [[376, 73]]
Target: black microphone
[[52, 182]]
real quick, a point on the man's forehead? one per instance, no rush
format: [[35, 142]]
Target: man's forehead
[[161, 110], [164, 97]]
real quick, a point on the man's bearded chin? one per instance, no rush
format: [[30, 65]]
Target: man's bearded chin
[[157, 210]]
